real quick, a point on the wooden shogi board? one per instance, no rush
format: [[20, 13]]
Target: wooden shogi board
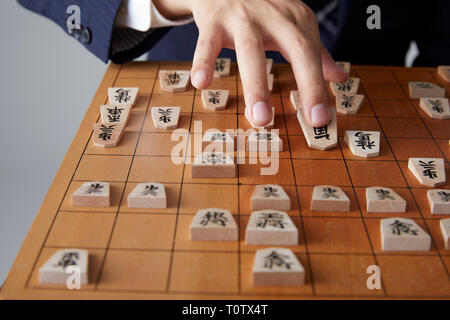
[[137, 253]]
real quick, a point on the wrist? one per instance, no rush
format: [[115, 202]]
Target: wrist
[[173, 9]]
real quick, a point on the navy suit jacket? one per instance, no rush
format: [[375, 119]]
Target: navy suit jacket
[[402, 21]]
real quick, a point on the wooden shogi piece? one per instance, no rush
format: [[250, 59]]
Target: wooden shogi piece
[[349, 87], [329, 198], [270, 196], [363, 143], [217, 141], [295, 99], [439, 200], [271, 227], [215, 99], [421, 89], [222, 68], [264, 141], [267, 126], [165, 118], [277, 267], [107, 135], [401, 234], [174, 80], [269, 65], [92, 194], [64, 264], [213, 165], [349, 103], [122, 96], [321, 138], [115, 114], [444, 72], [148, 195], [428, 171], [382, 199], [213, 225], [445, 230], [270, 77], [344, 66], [437, 108]]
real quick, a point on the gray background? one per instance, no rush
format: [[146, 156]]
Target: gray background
[[47, 81]]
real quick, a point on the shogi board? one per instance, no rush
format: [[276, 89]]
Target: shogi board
[[144, 253]]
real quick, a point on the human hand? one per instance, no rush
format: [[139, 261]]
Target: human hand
[[251, 27]]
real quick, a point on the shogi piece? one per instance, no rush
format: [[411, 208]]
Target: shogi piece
[[437, 108], [320, 138], [64, 264], [349, 103], [363, 144], [344, 66], [349, 87], [445, 229], [213, 165], [429, 171], [213, 225], [444, 72], [329, 198], [277, 267], [222, 68], [269, 65], [264, 141], [217, 141], [165, 118], [270, 81], [270, 196], [215, 99], [381, 199], [425, 90], [115, 114], [401, 234], [107, 135], [122, 96], [148, 195], [271, 227], [92, 194], [267, 126], [174, 80], [439, 200], [295, 99]]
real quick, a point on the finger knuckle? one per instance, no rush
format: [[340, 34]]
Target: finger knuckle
[[249, 44]]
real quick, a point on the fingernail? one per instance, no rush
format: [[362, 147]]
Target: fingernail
[[199, 77], [261, 113], [320, 115]]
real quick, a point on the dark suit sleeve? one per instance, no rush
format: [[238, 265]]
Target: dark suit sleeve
[[97, 32]]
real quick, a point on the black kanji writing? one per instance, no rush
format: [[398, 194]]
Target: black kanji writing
[[429, 169], [364, 141], [398, 227], [274, 219], [122, 95], [321, 132], [275, 259], [106, 132], [215, 217], [384, 194], [69, 259]]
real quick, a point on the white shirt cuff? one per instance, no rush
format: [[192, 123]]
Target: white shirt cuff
[[142, 15]]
